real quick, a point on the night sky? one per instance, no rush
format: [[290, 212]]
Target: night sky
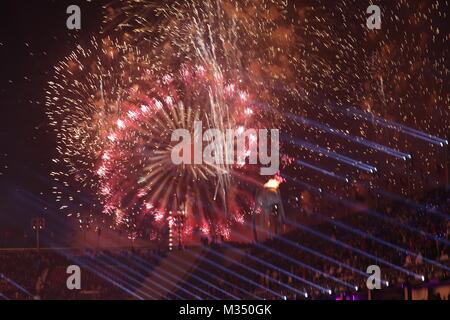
[[33, 36]]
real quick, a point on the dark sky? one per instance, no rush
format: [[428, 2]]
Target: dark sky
[[33, 36]]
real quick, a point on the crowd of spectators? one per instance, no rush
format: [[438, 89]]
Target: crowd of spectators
[[31, 274], [408, 242]]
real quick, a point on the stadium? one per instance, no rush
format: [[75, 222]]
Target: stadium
[[137, 138]]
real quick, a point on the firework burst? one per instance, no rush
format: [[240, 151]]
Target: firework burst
[[114, 111]]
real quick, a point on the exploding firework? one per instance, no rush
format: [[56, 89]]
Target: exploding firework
[[114, 111], [90, 91]]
